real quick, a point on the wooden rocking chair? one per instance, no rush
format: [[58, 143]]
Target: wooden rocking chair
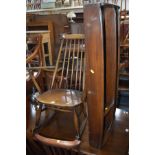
[[68, 94]]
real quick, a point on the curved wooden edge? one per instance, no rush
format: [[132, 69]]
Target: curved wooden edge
[[73, 36], [33, 55], [37, 49], [57, 142], [56, 105], [59, 106]]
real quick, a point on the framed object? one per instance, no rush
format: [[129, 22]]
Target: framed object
[[33, 4], [47, 4]]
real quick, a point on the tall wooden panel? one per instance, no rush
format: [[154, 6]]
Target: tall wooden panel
[[102, 55]]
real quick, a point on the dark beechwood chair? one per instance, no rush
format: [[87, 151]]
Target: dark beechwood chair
[[67, 91]]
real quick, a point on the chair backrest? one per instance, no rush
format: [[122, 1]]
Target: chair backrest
[[69, 71], [34, 51], [34, 59]]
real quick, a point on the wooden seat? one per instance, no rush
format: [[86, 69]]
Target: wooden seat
[[61, 97]]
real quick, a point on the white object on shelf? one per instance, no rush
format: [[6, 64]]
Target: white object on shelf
[[71, 15]]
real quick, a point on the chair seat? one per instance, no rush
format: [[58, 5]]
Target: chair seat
[[61, 97]]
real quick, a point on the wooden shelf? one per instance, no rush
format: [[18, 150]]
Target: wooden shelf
[[61, 10], [124, 45], [37, 32]]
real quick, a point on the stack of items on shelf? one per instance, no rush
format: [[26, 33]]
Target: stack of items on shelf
[[47, 4], [33, 4]]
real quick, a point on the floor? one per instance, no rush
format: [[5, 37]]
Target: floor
[[117, 144]]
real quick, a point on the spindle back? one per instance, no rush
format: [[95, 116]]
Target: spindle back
[[70, 65]]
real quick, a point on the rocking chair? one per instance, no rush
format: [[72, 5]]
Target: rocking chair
[[67, 91]]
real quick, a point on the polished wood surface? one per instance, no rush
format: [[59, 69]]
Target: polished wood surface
[[94, 66], [117, 144], [102, 56], [61, 97], [73, 36], [58, 143], [111, 54]]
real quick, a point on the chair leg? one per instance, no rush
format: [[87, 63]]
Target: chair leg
[[76, 123], [49, 114], [84, 110], [38, 115], [85, 113]]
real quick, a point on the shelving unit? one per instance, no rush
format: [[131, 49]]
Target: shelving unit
[[62, 10], [123, 90]]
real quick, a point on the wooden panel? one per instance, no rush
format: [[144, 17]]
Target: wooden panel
[[111, 54], [94, 71], [101, 28], [118, 49]]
